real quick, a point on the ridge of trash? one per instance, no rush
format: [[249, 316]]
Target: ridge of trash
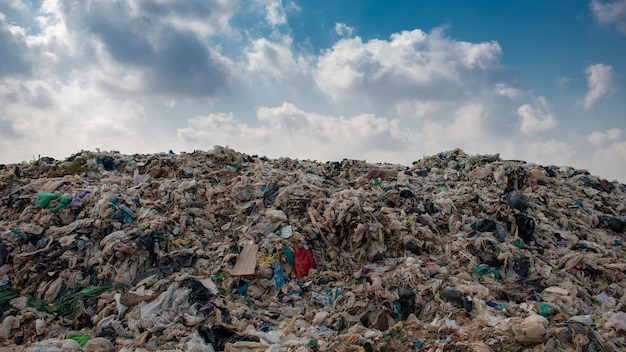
[[223, 251]]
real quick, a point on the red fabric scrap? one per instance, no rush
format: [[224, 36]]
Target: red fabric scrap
[[303, 261]]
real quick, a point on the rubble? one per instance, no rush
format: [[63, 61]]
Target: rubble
[[223, 251]]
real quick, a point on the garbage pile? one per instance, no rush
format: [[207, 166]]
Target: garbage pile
[[223, 251]]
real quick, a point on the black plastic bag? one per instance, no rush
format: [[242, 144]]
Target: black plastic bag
[[218, 336], [457, 298]]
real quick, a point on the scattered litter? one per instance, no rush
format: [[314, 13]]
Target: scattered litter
[[223, 251]]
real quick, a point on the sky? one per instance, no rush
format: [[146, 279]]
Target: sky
[[394, 81]]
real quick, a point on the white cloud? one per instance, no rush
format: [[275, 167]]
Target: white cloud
[[15, 56], [288, 131], [287, 117], [212, 120], [58, 120], [417, 108], [163, 47], [471, 130], [409, 63], [54, 37], [610, 161], [610, 13], [170, 103], [293, 7], [204, 18], [276, 59], [343, 29], [335, 74], [598, 138], [274, 12], [614, 133], [507, 91], [536, 117], [550, 152], [15, 4], [466, 131], [351, 130], [601, 83], [562, 81], [481, 55], [204, 132]]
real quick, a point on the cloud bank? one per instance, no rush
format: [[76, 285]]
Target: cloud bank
[[144, 76]]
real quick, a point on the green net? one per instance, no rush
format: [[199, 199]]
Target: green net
[[7, 294], [66, 305]]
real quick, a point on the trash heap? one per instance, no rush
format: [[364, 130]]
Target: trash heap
[[223, 251]]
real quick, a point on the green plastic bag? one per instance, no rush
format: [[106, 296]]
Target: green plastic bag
[[82, 339], [44, 200], [546, 310], [65, 201]]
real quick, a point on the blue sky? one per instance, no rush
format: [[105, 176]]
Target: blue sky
[[541, 81]]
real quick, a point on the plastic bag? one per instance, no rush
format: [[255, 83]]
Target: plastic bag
[[279, 276], [45, 199], [531, 330], [303, 261], [218, 336]]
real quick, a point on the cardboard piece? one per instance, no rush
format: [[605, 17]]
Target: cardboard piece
[[246, 262]]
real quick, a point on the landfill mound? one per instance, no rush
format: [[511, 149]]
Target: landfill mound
[[223, 251]]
